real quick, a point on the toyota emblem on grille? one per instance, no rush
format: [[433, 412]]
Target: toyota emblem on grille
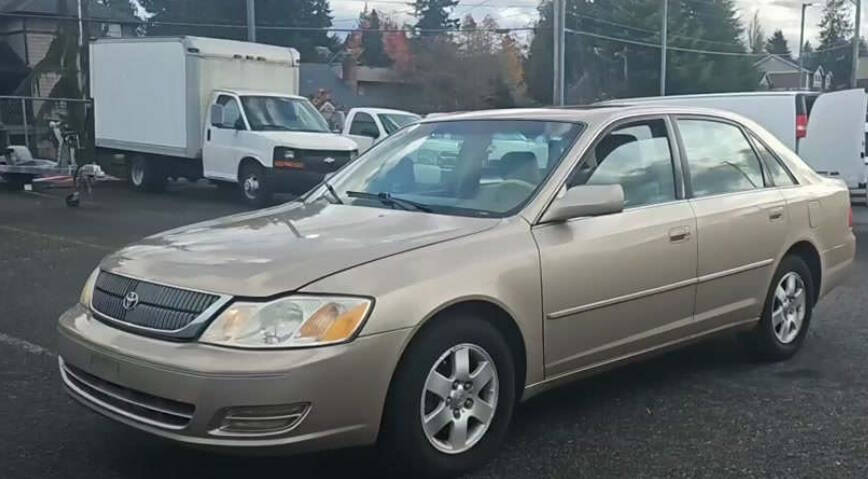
[[328, 160], [131, 300]]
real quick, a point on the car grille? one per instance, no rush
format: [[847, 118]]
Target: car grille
[[159, 308], [315, 160], [143, 407]]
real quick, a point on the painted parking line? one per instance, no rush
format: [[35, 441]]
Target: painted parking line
[[57, 238], [25, 346]]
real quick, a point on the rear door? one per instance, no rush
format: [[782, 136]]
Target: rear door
[[834, 144], [741, 220]]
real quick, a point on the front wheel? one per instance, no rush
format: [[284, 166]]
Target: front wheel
[[787, 313], [451, 400], [254, 185]]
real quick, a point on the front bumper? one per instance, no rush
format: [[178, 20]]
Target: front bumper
[[345, 385], [288, 180]]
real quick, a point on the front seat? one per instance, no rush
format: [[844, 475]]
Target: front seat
[[520, 165]]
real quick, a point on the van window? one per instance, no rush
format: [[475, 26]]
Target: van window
[[775, 170], [720, 158], [635, 156], [231, 111]]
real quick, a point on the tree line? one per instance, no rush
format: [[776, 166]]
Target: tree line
[[612, 46]]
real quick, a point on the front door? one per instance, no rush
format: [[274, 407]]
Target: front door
[[617, 284], [741, 221], [363, 130], [220, 153]]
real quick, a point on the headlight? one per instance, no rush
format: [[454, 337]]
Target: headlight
[[87, 290], [287, 158], [288, 322]]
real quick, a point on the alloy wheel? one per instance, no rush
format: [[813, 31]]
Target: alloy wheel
[[459, 399], [789, 307]]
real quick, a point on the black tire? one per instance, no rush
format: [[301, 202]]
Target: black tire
[[763, 342], [403, 444], [253, 185], [147, 174]]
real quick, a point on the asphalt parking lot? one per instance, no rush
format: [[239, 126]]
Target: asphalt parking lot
[[705, 411]]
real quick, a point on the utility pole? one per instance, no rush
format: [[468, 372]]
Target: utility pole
[[559, 7], [802, 45], [251, 21], [856, 38], [663, 40]]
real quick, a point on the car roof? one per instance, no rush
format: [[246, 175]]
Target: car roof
[[623, 101], [591, 114], [383, 110]]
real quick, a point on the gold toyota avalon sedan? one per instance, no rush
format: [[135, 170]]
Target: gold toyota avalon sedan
[[464, 264]]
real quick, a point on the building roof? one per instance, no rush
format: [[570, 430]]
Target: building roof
[[777, 63], [49, 7], [320, 75]]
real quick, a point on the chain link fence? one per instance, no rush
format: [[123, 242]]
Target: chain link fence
[[26, 120]]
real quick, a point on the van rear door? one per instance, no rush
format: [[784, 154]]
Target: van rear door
[[834, 143]]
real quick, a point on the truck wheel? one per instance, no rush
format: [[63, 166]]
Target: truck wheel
[[146, 174], [254, 185]]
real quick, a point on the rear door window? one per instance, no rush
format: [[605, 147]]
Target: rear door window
[[720, 158], [774, 168]]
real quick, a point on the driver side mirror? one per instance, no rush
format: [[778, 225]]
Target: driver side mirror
[[585, 200], [217, 115]]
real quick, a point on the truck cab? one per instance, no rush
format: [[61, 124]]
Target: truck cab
[[367, 126], [269, 143]]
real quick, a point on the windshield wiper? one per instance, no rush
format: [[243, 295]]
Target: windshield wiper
[[387, 199], [333, 192]]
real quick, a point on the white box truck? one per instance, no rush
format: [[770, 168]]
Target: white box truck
[[192, 107], [827, 130]]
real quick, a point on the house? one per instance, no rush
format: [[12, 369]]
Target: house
[[353, 85], [779, 73], [29, 27]]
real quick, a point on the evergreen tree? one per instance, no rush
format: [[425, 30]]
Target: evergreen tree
[[373, 51], [269, 13], [595, 67], [834, 51], [777, 45], [434, 15]]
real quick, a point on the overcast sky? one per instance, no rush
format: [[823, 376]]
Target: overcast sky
[[774, 14]]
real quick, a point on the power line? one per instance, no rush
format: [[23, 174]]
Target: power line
[[268, 27], [648, 30]]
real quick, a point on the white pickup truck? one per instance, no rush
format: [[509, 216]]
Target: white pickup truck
[[193, 107], [367, 126]]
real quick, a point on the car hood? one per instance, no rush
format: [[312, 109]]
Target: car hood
[[282, 249], [306, 140]]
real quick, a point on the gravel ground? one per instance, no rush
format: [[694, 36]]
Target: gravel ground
[[704, 411]]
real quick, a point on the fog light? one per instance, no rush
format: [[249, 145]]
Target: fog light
[[261, 420]]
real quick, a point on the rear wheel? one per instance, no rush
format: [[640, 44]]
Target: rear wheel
[[787, 313], [146, 174], [451, 400]]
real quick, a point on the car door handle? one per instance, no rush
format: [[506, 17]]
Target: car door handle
[[776, 213], [208, 136], [679, 234]]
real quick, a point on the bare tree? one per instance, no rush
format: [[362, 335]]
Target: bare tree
[[756, 38]]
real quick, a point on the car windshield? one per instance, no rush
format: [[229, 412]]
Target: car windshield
[[487, 168], [276, 113], [393, 122]]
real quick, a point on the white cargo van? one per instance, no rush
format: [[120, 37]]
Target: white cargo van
[[826, 129], [200, 107]]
